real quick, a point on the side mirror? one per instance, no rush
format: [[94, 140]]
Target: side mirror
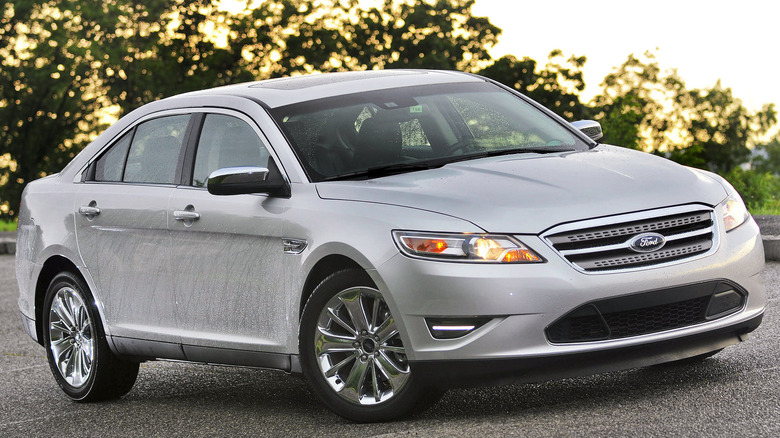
[[248, 179], [591, 128]]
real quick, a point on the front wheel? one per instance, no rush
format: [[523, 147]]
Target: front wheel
[[76, 347], [352, 353]]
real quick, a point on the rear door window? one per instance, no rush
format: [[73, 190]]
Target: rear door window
[[154, 152]]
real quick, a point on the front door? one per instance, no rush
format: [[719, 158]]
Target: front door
[[227, 250]]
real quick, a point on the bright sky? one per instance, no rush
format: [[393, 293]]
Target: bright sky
[[737, 42]]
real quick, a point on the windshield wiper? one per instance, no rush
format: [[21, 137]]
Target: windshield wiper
[[390, 169], [394, 169], [532, 150]]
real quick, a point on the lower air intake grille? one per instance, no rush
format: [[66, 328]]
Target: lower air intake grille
[[655, 319], [648, 312]]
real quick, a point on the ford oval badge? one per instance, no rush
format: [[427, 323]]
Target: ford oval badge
[[647, 242]]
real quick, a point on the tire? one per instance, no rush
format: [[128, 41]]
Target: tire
[[76, 348], [352, 354]]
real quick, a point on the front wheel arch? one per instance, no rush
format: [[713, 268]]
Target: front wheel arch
[[322, 270], [352, 353]]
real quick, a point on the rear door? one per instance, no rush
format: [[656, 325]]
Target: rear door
[[122, 227]]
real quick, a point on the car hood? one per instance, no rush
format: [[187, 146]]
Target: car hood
[[529, 193]]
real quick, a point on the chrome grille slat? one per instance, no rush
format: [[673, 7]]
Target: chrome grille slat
[[607, 247], [624, 245], [634, 228], [636, 258]]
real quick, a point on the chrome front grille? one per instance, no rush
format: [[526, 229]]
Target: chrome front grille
[[597, 245]]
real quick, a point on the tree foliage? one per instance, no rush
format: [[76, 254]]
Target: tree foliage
[[760, 190], [767, 157], [178, 53], [69, 67], [633, 105], [719, 128], [65, 63], [49, 89], [556, 86], [644, 108]]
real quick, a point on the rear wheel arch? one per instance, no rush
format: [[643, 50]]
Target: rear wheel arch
[[79, 356], [53, 266]]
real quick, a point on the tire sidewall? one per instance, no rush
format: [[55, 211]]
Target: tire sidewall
[[66, 279], [400, 404]]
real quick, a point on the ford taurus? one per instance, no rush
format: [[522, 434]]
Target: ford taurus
[[387, 234]]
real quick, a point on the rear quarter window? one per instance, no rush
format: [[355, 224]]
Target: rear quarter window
[[110, 166]]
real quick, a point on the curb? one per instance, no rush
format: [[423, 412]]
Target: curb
[[7, 246], [770, 235], [771, 248], [766, 223], [8, 242]]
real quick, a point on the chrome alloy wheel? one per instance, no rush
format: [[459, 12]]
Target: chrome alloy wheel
[[71, 335], [358, 348]]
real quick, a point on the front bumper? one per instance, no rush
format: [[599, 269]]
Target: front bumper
[[467, 373], [522, 301]]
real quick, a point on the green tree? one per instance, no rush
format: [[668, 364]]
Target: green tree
[[759, 190], [287, 37], [69, 67], [767, 158], [556, 86], [440, 34], [633, 106], [49, 88], [720, 129], [162, 48], [644, 108]]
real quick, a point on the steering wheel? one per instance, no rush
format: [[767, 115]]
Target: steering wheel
[[460, 145]]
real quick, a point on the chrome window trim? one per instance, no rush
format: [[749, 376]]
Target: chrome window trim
[[78, 177], [80, 174]]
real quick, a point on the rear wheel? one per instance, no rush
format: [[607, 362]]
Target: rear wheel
[[76, 347], [352, 353]]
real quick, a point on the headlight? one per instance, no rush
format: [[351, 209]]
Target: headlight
[[734, 212], [484, 248]]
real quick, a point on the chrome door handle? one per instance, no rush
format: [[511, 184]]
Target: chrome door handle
[[89, 210], [184, 215]]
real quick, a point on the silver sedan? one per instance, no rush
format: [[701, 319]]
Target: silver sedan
[[387, 234]]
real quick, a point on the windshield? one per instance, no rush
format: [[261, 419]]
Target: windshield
[[404, 129]]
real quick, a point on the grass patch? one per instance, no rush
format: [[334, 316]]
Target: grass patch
[[765, 211], [6, 225], [760, 191]]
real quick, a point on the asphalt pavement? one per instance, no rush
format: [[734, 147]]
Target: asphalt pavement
[[735, 393]]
